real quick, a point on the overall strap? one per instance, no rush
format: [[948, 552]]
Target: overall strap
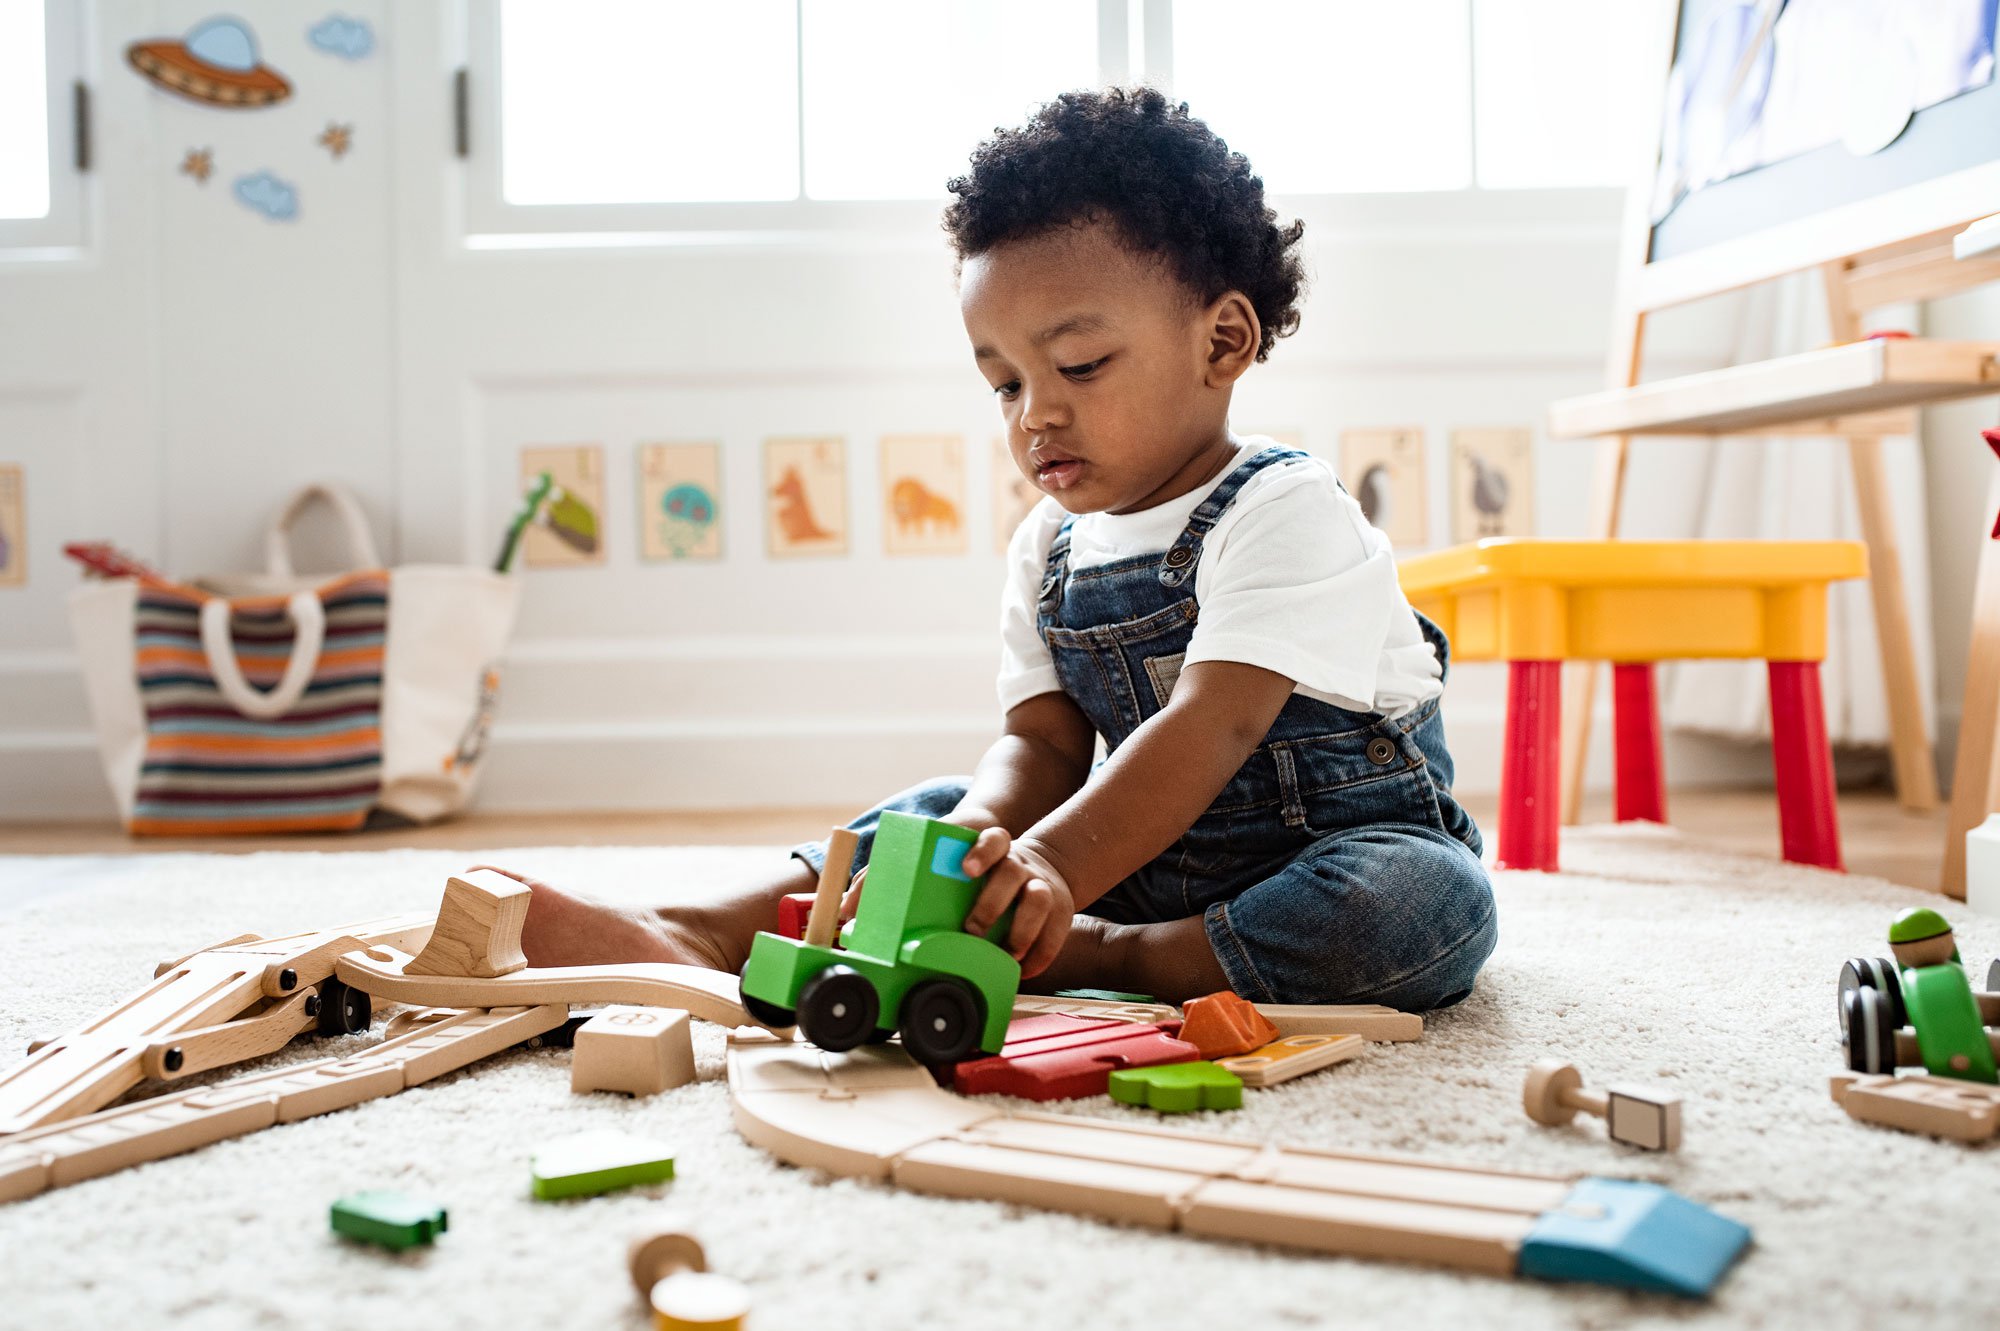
[[1179, 563], [1058, 565]]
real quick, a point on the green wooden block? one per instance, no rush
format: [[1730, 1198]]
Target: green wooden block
[[392, 1219], [1106, 995], [594, 1162], [1178, 1088]]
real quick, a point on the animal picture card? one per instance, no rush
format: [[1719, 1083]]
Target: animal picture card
[[13, 527], [1384, 471], [1492, 483], [680, 501], [1014, 496], [568, 531], [923, 494], [805, 496]]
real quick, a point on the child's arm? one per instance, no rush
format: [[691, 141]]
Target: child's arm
[[1040, 760], [1149, 793]]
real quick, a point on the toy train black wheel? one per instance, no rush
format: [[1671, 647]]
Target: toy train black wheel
[[837, 1008], [770, 1014], [343, 1009], [1878, 973], [1871, 1035], [941, 1021]]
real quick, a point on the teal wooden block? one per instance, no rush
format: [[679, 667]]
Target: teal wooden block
[[594, 1162], [391, 1219], [1178, 1088]]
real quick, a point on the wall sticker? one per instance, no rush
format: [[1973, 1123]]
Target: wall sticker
[[680, 507], [337, 139], [568, 532], [199, 163], [1384, 471], [1014, 496], [923, 495], [1492, 484], [337, 34], [805, 496], [13, 528], [216, 64], [265, 193]]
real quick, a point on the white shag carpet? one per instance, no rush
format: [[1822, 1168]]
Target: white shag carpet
[[1650, 959]]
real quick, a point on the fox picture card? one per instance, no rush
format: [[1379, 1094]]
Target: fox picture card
[[13, 527], [1014, 496], [680, 501], [1492, 483], [1384, 471], [805, 496], [568, 531], [923, 495]]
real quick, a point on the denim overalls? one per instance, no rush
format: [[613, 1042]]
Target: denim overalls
[[1335, 867]]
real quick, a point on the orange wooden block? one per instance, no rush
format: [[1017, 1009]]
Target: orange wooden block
[[1221, 1025]]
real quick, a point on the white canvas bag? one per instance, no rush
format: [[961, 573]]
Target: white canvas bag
[[441, 639]]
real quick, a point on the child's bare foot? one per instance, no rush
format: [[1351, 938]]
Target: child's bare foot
[[566, 929]]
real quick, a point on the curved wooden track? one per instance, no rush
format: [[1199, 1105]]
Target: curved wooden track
[[707, 994]]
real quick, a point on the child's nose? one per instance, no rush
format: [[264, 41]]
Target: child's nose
[[1043, 408]]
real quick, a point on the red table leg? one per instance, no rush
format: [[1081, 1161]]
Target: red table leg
[[1807, 820], [1640, 789], [1531, 766]]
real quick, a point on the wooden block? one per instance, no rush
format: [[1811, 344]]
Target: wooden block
[[1053, 1056], [390, 1219], [1292, 1056], [1941, 1106], [595, 1162], [478, 930], [794, 910], [638, 1050], [1178, 1088], [1370, 1021], [1642, 1117], [1223, 1024]]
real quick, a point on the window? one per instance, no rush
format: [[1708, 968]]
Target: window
[[689, 118], [40, 190]]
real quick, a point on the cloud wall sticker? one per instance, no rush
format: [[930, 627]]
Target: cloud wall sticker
[[268, 195], [337, 34]]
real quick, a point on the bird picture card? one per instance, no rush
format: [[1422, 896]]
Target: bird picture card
[[568, 532], [13, 527], [680, 501], [805, 496], [1014, 496], [1384, 471], [923, 494], [1492, 483]]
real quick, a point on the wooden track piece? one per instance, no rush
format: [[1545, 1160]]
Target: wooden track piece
[[638, 1050], [1223, 1024], [706, 994], [93, 1065], [172, 1057], [478, 927], [1370, 1021], [1030, 1005], [166, 966], [112, 1139], [1941, 1106], [1292, 1056]]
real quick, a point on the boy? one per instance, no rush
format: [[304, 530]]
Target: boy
[[1275, 815]]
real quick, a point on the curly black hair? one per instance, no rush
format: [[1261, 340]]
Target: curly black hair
[[1129, 156]]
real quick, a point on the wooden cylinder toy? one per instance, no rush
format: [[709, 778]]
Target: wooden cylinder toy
[[1553, 1095], [671, 1274]]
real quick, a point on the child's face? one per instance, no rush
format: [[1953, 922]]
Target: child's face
[[1105, 369]]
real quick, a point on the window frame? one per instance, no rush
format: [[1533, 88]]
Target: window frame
[[1132, 35], [60, 233]]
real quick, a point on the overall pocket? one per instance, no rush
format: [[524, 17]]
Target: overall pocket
[[1375, 774]]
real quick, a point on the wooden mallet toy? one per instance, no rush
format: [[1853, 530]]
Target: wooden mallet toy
[[672, 1276], [1636, 1116]]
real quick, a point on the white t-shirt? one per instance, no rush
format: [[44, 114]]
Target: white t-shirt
[[1293, 578]]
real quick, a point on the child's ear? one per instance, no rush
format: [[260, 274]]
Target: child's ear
[[1232, 332]]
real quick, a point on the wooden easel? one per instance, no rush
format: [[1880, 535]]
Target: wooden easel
[[1895, 246]]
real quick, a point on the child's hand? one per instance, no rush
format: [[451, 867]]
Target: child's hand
[[976, 820], [1018, 876]]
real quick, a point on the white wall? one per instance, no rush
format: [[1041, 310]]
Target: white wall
[[170, 387]]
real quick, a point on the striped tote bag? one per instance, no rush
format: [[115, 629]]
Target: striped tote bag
[[271, 703]]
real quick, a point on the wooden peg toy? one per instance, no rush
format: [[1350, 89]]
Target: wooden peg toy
[[1554, 1094], [1223, 1024], [638, 1050], [672, 1276]]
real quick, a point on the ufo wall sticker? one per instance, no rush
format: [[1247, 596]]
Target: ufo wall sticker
[[217, 64]]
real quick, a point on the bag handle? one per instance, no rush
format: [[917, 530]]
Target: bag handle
[[278, 537], [309, 623]]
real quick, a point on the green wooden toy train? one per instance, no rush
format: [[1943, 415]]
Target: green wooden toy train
[[904, 964]]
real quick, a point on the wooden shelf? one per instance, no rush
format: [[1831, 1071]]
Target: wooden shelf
[[1835, 385]]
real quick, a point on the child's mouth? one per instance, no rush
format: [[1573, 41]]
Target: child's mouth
[[1059, 473]]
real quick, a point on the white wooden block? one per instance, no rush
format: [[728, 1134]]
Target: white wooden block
[[639, 1050]]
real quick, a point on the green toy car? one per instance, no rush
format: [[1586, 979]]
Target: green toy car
[[904, 964], [1924, 988]]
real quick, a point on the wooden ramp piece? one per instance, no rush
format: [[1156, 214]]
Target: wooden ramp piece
[[707, 994], [878, 1116], [63, 1153], [478, 927]]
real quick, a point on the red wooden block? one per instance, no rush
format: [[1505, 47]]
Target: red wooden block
[[1055, 1056], [1222, 1025], [793, 911]]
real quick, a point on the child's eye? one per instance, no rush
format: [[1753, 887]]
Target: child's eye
[[1008, 389], [1083, 371]]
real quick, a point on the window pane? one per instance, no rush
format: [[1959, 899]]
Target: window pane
[[1329, 96], [1560, 92], [24, 111], [648, 101], [899, 92]]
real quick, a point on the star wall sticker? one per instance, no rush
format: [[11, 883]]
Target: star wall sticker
[[198, 163], [337, 139]]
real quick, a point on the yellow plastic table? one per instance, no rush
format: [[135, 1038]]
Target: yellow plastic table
[[1537, 604]]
